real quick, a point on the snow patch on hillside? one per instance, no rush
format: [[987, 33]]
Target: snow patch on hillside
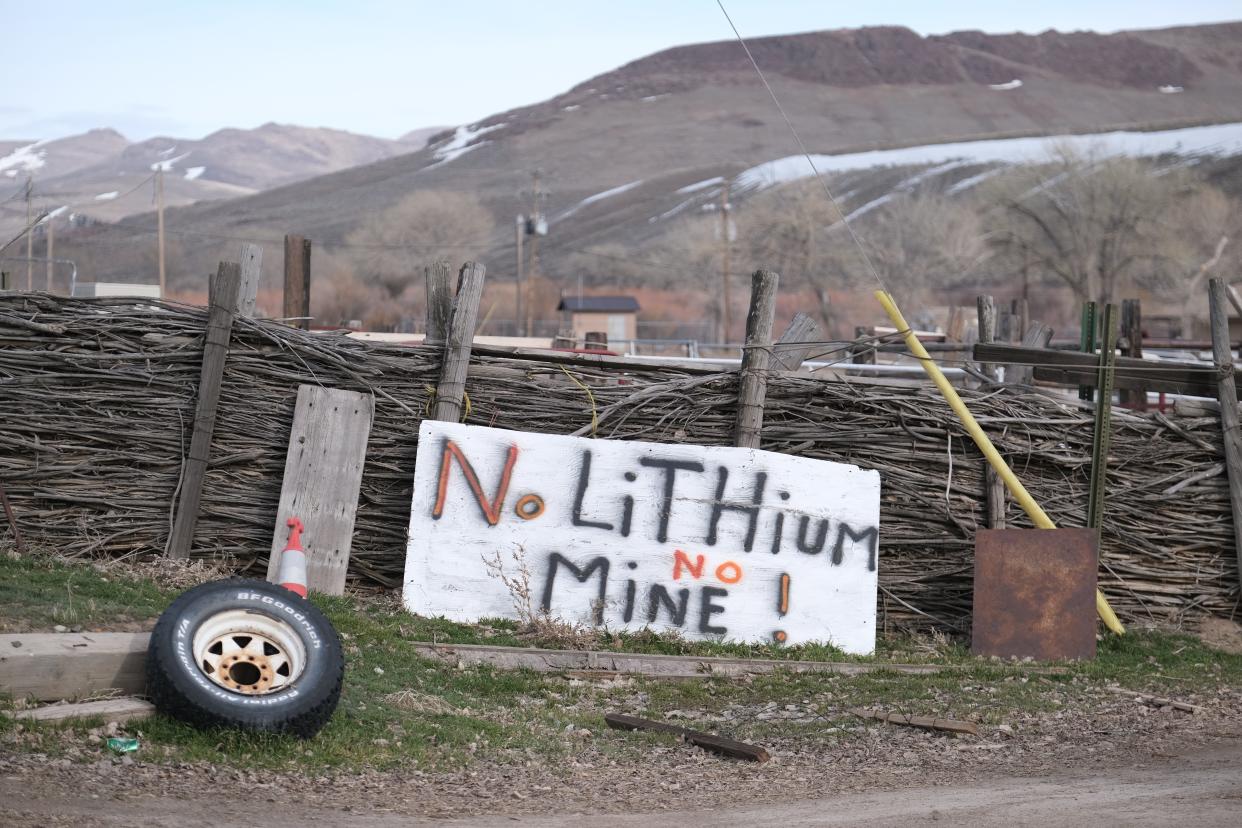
[[1002, 87], [966, 183], [700, 185], [462, 141], [166, 166], [1221, 139], [615, 191], [670, 213], [27, 159], [107, 196], [905, 186], [192, 173]]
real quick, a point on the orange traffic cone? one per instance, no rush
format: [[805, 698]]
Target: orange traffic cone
[[293, 560]]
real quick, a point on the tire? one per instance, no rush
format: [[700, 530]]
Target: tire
[[247, 654]]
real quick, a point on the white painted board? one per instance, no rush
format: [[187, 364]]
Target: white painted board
[[716, 543]]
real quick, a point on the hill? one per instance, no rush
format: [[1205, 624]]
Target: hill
[[624, 156], [92, 172]]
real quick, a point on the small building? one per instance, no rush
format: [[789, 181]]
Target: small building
[[616, 316]]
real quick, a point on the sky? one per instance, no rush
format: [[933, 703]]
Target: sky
[[385, 67]]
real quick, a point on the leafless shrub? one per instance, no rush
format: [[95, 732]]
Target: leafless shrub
[[534, 624]]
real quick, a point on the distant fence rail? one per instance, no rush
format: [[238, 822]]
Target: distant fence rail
[[97, 399]]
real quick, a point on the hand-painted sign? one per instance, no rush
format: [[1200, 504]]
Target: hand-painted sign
[[715, 543]]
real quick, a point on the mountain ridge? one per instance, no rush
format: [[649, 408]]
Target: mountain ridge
[[653, 129]]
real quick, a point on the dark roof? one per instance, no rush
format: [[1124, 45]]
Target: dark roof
[[598, 304]]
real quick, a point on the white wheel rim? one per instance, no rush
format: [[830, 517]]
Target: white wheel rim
[[248, 652]]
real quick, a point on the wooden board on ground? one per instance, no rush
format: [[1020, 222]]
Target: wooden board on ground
[[323, 474], [656, 666], [54, 666], [922, 722], [125, 709], [716, 744]]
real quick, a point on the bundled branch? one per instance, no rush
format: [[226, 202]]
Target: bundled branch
[[97, 401]]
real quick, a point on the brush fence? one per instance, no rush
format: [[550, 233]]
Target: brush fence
[[97, 401]]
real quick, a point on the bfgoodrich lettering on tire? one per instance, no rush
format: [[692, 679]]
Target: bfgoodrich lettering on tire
[[248, 654]]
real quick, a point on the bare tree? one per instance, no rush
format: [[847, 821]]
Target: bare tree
[[1091, 222], [796, 231], [392, 247], [924, 242], [691, 258], [338, 295], [1201, 226]]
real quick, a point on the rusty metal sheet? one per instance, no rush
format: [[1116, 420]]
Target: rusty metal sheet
[[1035, 593]]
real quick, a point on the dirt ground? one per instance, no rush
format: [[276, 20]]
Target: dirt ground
[[1118, 762]]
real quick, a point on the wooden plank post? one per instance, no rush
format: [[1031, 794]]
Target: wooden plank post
[[802, 329], [1222, 353], [297, 281], [251, 266], [1038, 335], [1230, 291], [439, 302], [1103, 420], [993, 486], [224, 290], [1132, 346], [323, 475], [465, 315], [1022, 316], [756, 357]]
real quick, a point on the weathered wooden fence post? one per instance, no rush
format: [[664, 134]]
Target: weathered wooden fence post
[[803, 330], [1103, 420], [462, 321], [297, 281], [863, 354], [1132, 331], [1022, 316], [1222, 353], [986, 308], [756, 357], [439, 302], [993, 486], [224, 291], [248, 293], [1038, 335]]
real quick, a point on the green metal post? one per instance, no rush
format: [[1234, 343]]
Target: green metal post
[[1087, 345]]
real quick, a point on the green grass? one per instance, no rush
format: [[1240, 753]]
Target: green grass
[[40, 593], [399, 710]]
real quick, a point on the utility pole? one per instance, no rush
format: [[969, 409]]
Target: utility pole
[[29, 235], [520, 226], [51, 248], [159, 222], [726, 299], [536, 221]]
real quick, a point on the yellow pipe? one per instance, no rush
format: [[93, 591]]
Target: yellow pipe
[[1033, 510]]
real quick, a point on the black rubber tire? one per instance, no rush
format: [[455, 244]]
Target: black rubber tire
[[179, 688]]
